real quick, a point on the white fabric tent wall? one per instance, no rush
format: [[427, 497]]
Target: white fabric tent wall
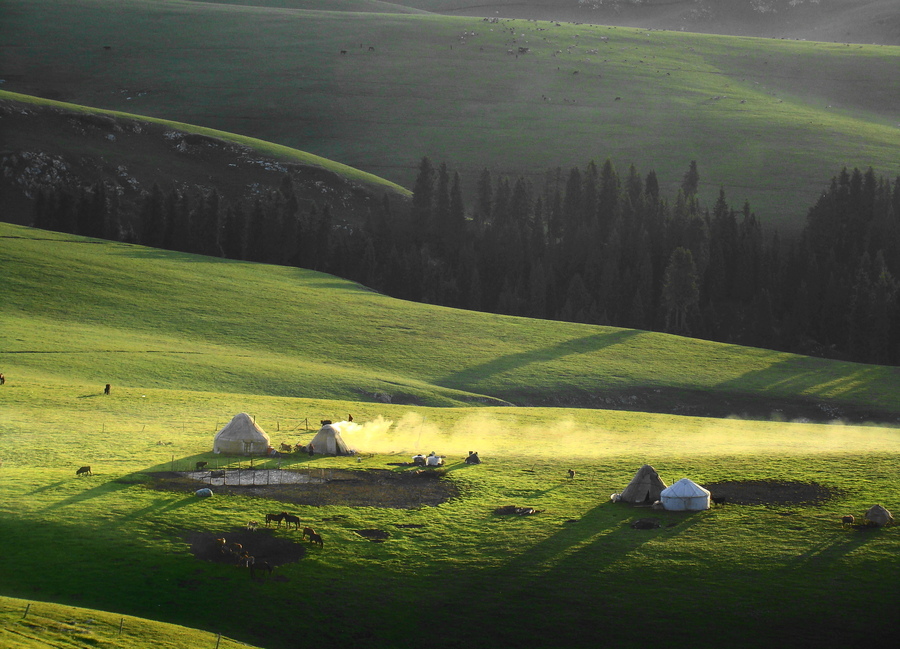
[[685, 495], [241, 436], [328, 441]]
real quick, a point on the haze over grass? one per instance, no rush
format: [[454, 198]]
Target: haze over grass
[[771, 121], [188, 341]]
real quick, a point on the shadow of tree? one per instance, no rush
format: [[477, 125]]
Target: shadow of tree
[[472, 375]]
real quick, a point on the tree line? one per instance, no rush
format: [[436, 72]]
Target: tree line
[[584, 245]]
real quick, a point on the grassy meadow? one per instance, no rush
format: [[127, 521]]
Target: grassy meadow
[[187, 342], [769, 120]]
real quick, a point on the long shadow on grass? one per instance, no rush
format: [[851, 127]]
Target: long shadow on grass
[[471, 375], [93, 492], [830, 549], [160, 506], [564, 566], [808, 382]]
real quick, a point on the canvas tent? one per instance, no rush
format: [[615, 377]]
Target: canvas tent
[[645, 487], [241, 436], [328, 441], [685, 495]]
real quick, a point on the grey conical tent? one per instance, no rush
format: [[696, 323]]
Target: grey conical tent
[[328, 441], [644, 487], [241, 436]]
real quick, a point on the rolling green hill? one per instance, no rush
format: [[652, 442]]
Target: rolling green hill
[[769, 120], [142, 317], [855, 21], [188, 341], [50, 145]]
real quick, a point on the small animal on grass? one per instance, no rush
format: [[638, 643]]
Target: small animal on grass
[[106, 389], [718, 500], [287, 448], [571, 473], [307, 531], [262, 566], [200, 466], [290, 519], [315, 539], [252, 526], [277, 518], [847, 520], [85, 470]]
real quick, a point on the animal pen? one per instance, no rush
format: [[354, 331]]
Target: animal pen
[[259, 477]]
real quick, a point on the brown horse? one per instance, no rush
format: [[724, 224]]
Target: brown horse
[[85, 470], [315, 539], [290, 519], [307, 531], [277, 518]]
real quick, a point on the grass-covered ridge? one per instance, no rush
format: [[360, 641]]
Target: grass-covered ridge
[[267, 150], [188, 341], [752, 112], [136, 316]]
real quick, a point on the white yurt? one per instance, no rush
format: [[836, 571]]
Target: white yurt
[[685, 495], [328, 441], [241, 436]]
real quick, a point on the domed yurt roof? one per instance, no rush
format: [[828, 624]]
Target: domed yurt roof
[[241, 436]]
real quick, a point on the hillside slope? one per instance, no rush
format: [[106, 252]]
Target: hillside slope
[[770, 121], [96, 312], [53, 145], [854, 21]]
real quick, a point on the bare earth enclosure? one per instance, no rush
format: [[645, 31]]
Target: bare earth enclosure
[[363, 488]]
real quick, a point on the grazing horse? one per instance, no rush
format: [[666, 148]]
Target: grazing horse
[[847, 520], [277, 518], [85, 470], [290, 519], [262, 565], [307, 531], [316, 540], [200, 465]]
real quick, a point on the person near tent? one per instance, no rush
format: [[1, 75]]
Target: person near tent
[[310, 450], [433, 460], [419, 459]]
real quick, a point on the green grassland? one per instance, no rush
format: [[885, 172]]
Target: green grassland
[[25, 624], [188, 341], [141, 155], [117, 311], [769, 120]]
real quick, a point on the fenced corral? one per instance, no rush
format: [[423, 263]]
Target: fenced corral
[[58, 625], [259, 477]]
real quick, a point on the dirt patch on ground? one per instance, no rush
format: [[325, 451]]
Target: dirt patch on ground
[[261, 545], [363, 488], [771, 492]]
